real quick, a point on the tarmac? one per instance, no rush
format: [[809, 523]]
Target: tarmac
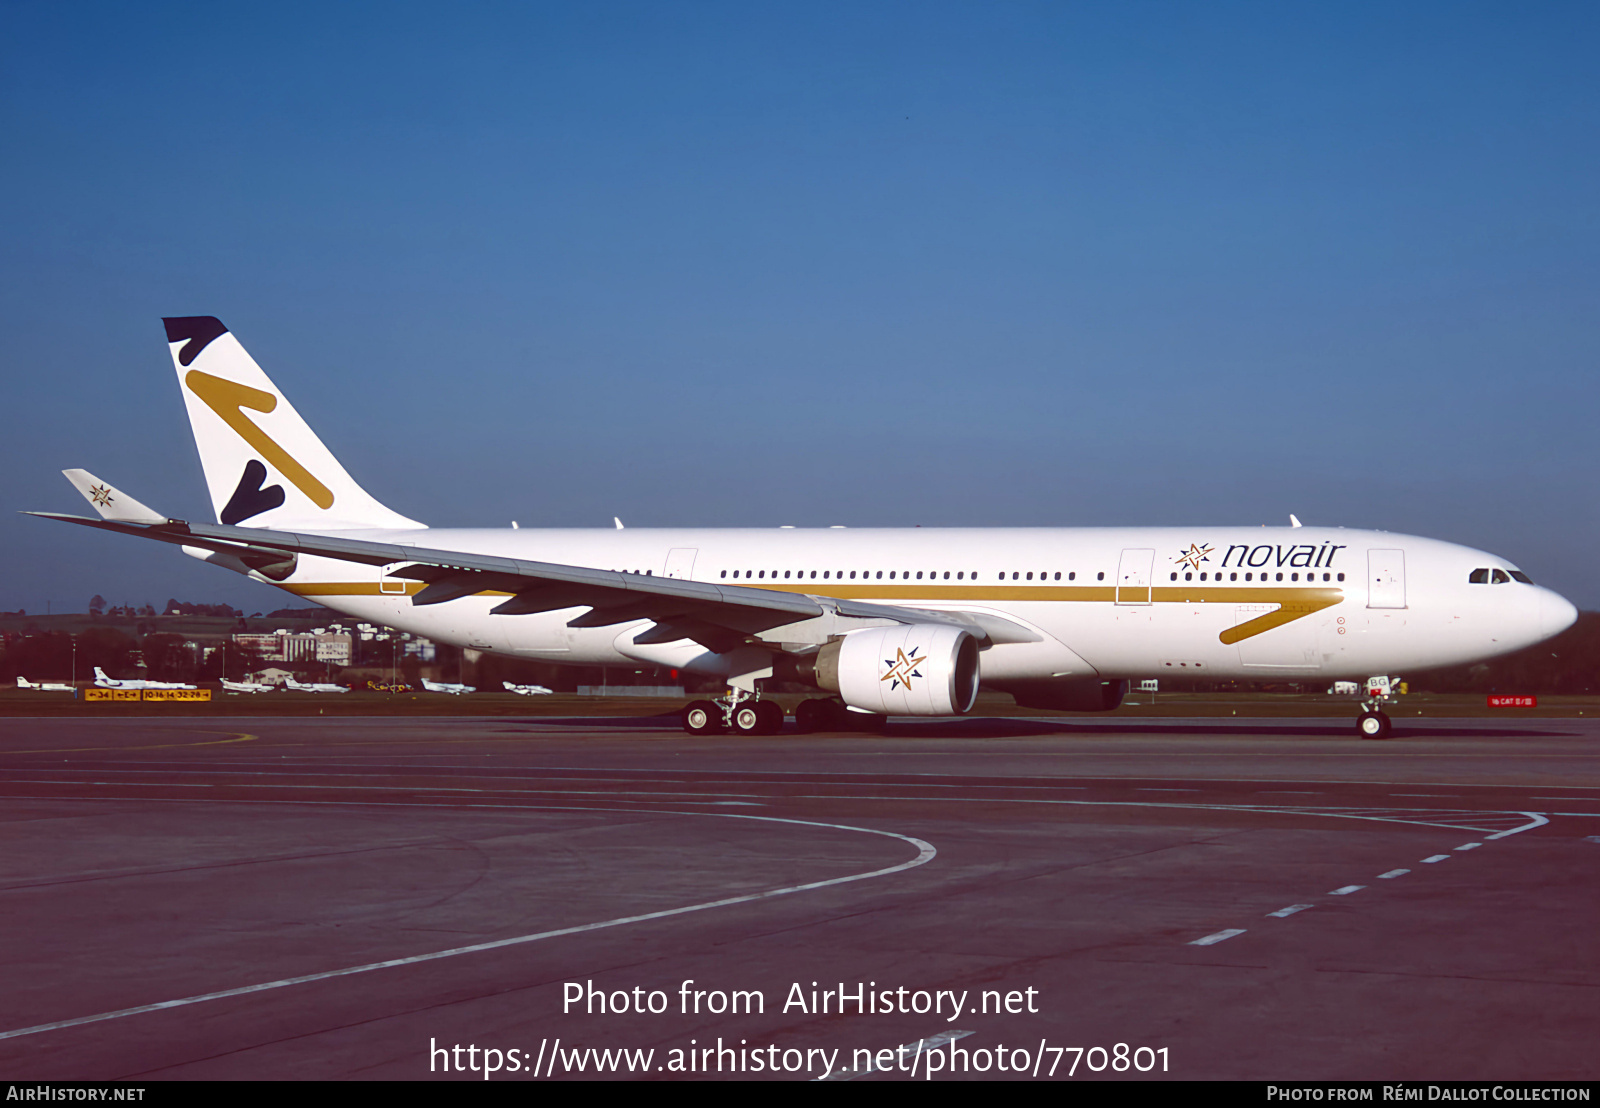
[[1129, 899]]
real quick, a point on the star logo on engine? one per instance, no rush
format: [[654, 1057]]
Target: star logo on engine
[[101, 495], [1193, 556], [902, 669]]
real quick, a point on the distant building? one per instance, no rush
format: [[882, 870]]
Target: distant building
[[334, 647]]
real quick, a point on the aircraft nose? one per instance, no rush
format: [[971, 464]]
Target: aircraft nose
[[1556, 613]]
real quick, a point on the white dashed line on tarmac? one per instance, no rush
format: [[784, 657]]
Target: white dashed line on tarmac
[[1393, 873], [1469, 846], [1347, 890], [1219, 936], [1284, 913], [1437, 858]]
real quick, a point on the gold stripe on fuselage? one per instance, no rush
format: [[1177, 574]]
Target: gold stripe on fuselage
[[1292, 603]]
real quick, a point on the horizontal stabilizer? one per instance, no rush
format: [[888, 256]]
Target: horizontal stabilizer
[[111, 503]]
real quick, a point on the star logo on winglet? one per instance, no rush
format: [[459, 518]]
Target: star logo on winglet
[[902, 669]]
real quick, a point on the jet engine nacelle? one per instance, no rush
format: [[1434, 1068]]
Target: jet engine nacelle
[[917, 669]]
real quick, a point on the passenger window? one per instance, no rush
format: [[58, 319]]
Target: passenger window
[[1072, 577], [1100, 576], [1499, 578], [1478, 577], [1174, 576]]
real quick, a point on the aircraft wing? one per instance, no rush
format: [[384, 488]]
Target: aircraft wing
[[718, 616]]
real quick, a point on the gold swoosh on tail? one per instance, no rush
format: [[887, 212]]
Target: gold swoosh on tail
[[226, 398]]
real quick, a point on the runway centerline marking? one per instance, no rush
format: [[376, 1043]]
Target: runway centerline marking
[[1285, 913], [925, 853], [1347, 890], [1393, 874], [1437, 858], [1211, 940]]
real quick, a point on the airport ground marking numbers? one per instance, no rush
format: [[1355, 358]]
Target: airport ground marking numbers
[[925, 853]]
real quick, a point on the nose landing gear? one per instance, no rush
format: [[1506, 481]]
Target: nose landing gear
[[1373, 723]]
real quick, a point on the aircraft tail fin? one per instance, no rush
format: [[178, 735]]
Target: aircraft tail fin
[[264, 466]]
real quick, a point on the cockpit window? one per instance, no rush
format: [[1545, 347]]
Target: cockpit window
[[1518, 575], [1499, 577], [1478, 577]]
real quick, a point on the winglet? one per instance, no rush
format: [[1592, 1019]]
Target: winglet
[[1293, 522], [110, 502]]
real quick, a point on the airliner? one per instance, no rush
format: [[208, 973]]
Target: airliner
[[879, 622], [244, 686], [104, 682]]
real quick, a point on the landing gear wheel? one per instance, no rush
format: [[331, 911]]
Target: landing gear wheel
[[702, 717], [1373, 725], [771, 717], [746, 720]]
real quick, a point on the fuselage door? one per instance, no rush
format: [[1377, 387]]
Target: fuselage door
[[1386, 578], [1133, 576], [680, 562]]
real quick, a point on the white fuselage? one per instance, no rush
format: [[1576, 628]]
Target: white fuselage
[[1222, 602]]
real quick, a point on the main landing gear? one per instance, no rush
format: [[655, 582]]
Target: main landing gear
[[736, 712], [741, 713], [1373, 723]]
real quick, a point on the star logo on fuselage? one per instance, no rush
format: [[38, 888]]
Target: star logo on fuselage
[[902, 669], [1193, 556], [101, 495]]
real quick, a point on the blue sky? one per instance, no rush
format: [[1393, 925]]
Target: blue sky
[[750, 264]]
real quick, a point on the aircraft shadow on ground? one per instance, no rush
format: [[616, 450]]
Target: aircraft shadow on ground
[[999, 727]]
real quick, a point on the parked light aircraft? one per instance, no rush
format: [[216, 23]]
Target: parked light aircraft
[[904, 622], [528, 690], [105, 682], [244, 686], [447, 687], [47, 686], [313, 686]]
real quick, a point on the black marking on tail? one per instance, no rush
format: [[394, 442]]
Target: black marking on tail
[[250, 499], [200, 330]]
